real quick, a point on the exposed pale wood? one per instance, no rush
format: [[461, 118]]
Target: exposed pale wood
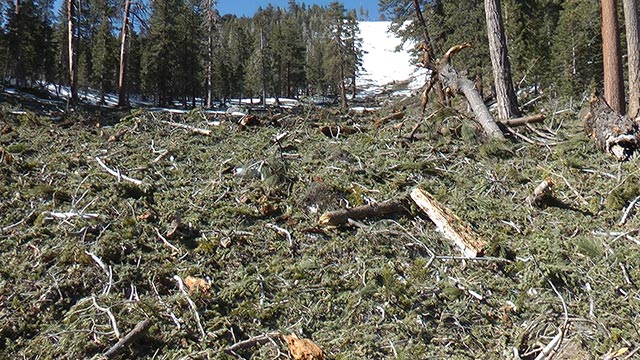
[[138, 330], [450, 225], [541, 193], [303, 349], [340, 217], [188, 127], [523, 120], [72, 42], [460, 83], [117, 174]]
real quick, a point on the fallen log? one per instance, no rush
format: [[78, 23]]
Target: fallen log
[[395, 116], [450, 225], [193, 129], [341, 217], [523, 120], [614, 133]]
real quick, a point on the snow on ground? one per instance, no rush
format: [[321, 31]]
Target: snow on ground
[[382, 64]]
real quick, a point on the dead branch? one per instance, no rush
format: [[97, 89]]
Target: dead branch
[[334, 131], [450, 225], [138, 330], [117, 174], [523, 120], [193, 129], [250, 342], [395, 116], [192, 305], [341, 217], [452, 51]]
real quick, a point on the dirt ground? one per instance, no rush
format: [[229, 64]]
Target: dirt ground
[[215, 239]]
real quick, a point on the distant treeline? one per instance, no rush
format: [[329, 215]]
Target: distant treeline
[[183, 50]]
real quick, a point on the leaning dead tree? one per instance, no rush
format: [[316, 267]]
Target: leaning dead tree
[[443, 75], [459, 83]]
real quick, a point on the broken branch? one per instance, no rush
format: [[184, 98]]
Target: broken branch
[[193, 129], [450, 225], [340, 217], [138, 330]]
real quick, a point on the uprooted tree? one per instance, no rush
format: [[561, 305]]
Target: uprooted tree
[[605, 121]]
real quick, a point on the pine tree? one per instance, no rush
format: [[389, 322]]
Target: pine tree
[[159, 57]]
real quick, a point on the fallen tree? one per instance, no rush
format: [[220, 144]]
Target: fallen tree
[[614, 133]]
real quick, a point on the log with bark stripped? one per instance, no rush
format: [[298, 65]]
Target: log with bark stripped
[[450, 225]]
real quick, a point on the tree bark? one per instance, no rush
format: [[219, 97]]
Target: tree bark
[[612, 58], [122, 76], [633, 53], [466, 86], [505, 94], [73, 51]]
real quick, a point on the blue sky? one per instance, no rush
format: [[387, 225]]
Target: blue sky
[[249, 7]]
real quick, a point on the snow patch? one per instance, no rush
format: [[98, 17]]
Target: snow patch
[[382, 64]]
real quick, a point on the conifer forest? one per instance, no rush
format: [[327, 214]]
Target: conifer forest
[[448, 180]]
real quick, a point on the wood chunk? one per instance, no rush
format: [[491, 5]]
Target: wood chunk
[[523, 120], [450, 225], [303, 349], [541, 193], [340, 217]]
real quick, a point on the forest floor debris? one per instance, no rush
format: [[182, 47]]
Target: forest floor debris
[[93, 263]]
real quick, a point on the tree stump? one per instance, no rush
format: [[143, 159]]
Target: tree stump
[[614, 133]]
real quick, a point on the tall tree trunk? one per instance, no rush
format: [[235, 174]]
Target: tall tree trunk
[[122, 76], [73, 51], [633, 52], [505, 94], [210, 19], [343, 89], [612, 58]]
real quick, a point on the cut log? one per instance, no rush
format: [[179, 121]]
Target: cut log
[[450, 225], [523, 120], [614, 133], [341, 217]]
